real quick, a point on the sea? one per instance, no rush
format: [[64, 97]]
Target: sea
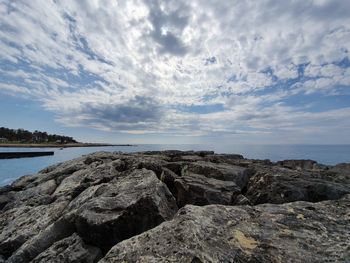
[[11, 169]]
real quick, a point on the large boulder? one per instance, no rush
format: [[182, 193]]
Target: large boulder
[[294, 232], [197, 189], [280, 185], [224, 158], [340, 172], [220, 171], [102, 215], [299, 164], [104, 197], [203, 183], [108, 213], [69, 250], [20, 224]]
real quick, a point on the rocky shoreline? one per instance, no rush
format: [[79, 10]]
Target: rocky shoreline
[[174, 206]]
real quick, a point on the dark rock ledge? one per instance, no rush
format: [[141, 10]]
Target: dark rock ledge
[[177, 206]]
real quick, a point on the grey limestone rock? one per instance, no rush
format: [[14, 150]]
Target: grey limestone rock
[[281, 185], [294, 232], [108, 213], [120, 207], [197, 189], [69, 250]]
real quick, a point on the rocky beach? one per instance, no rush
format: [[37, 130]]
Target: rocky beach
[[174, 206]]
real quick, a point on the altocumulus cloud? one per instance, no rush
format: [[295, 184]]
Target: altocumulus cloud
[[141, 66]]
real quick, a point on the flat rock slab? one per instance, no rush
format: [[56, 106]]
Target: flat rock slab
[[295, 232]]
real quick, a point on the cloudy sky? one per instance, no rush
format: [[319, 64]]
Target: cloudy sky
[[266, 71]]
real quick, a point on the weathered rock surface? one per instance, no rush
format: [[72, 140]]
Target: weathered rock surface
[[299, 164], [280, 185], [200, 190], [294, 232], [70, 250], [220, 171], [108, 213], [120, 207], [21, 223]]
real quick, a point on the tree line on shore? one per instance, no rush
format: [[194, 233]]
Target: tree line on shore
[[24, 136]]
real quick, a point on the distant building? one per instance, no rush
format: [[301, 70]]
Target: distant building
[[3, 139]]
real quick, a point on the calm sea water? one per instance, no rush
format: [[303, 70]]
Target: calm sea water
[[327, 154]]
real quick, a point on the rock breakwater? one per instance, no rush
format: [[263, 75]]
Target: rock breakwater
[[174, 206]]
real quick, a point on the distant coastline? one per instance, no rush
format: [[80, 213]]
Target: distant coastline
[[55, 145]]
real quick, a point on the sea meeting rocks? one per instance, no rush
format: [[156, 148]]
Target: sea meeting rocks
[[173, 206]]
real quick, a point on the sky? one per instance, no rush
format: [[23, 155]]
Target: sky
[[153, 71]]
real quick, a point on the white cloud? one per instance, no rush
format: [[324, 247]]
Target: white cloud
[[104, 55]]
